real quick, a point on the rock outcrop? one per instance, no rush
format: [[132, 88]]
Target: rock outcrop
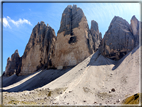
[[95, 36], [119, 40], [12, 64], [134, 27], [73, 38], [74, 42], [39, 50]]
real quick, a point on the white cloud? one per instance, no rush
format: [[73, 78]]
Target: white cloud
[[5, 22], [19, 22], [8, 20]]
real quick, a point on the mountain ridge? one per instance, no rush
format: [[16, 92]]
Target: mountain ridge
[[78, 66], [70, 47]]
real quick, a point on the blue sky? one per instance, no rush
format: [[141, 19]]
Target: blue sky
[[20, 18]]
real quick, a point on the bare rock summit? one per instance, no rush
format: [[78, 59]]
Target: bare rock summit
[[134, 27], [12, 64], [95, 36], [118, 40], [39, 49], [73, 43]]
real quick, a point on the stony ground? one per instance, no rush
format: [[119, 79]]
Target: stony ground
[[28, 97], [95, 81]]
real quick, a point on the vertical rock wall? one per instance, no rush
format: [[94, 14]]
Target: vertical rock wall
[[73, 43], [12, 64], [38, 51], [120, 38]]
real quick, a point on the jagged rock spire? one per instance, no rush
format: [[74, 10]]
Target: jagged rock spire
[[39, 49], [12, 64], [119, 39], [74, 40]]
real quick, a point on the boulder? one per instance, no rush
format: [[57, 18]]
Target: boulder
[[73, 38], [118, 40], [12, 64], [39, 50]]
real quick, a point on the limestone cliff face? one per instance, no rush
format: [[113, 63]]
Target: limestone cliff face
[[120, 38], [95, 36], [135, 28], [39, 49], [73, 43], [12, 64]]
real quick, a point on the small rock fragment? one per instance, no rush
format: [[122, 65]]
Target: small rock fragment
[[118, 101], [84, 101], [113, 90]]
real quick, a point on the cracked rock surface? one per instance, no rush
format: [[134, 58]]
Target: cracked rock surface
[[12, 64], [119, 40], [74, 40], [39, 49]]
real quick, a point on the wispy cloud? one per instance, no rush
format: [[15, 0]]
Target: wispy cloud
[[19, 22], [7, 21]]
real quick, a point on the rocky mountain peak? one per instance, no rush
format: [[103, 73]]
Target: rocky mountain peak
[[96, 36], [69, 6], [12, 64], [39, 49], [74, 41], [119, 38], [71, 18], [8, 59], [94, 26], [16, 51], [42, 22], [15, 55], [134, 28], [134, 18], [120, 21]]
